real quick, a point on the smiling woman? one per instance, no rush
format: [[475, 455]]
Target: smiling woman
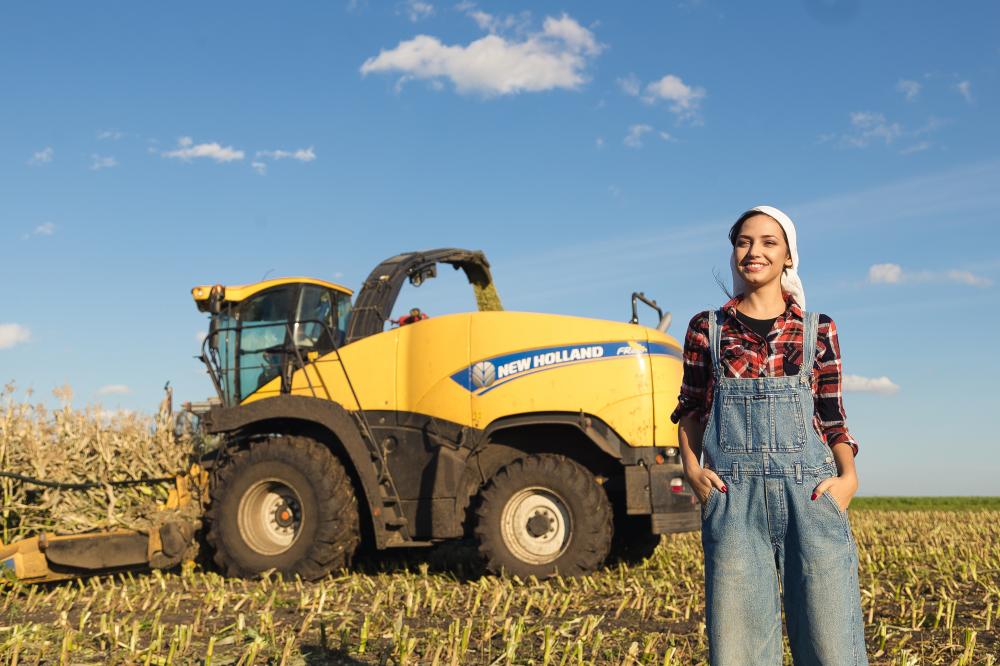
[[761, 400]]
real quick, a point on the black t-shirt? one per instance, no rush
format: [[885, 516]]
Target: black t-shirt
[[759, 326]]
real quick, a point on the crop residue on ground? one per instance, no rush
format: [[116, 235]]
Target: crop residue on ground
[[930, 588]]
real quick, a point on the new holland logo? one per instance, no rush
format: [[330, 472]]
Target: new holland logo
[[484, 374], [490, 374]]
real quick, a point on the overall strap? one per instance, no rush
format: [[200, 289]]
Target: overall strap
[[714, 338], [810, 329]]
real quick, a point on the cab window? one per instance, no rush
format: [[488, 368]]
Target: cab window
[[316, 320], [263, 329]]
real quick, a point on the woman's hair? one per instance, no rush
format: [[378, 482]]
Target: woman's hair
[[734, 231]]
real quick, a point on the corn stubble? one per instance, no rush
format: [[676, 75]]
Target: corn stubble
[[930, 589]]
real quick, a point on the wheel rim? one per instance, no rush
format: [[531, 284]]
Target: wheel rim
[[270, 517], [536, 525]]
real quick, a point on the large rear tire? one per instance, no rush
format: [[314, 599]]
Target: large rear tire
[[544, 515], [286, 503]]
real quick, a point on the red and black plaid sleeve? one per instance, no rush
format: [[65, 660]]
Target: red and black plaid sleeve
[[828, 388], [696, 386]]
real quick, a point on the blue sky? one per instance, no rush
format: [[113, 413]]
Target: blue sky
[[590, 149]]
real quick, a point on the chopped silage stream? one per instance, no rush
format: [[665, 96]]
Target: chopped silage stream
[[930, 586]]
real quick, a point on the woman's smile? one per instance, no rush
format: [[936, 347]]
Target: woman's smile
[[754, 266]]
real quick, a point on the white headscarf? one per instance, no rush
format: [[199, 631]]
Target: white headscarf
[[790, 281]]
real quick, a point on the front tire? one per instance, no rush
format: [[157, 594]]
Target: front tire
[[544, 515], [286, 503]]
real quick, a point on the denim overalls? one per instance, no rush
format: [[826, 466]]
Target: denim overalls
[[760, 440]]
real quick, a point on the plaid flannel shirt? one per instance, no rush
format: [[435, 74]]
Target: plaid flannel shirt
[[746, 354]]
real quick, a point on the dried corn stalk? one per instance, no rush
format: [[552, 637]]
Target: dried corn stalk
[[78, 446]]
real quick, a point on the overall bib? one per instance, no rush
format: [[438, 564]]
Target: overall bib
[[766, 528]]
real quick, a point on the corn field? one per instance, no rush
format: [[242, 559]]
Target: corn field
[[930, 589], [65, 445]]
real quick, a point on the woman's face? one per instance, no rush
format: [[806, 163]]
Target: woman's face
[[761, 251]]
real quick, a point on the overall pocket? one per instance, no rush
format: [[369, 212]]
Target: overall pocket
[[733, 418], [845, 522], [761, 422], [789, 431], [710, 502]]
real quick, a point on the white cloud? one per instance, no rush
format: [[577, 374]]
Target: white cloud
[[965, 90], [918, 147], [484, 20], [599, 142], [187, 150], [44, 229], [684, 100], [302, 154], [868, 127], [630, 85], [43, 156], [13, 334], [417, 10], [965, 277], [102, 162], [114, 389], [885, 273], [109, 135], [574, 35], [492, 23], [555, 57], [634, 137], [859, 384], [910, 89], [894, 274]]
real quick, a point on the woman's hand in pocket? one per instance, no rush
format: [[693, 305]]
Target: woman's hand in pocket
[[701, 481], [842, 489]]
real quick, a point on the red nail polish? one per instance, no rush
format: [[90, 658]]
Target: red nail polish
[[814, 495], [724, 489]]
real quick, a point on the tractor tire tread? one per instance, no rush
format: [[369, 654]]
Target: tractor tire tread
[[336, 538], [593, 528]]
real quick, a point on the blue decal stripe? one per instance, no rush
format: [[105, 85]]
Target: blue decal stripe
[[486, 374], [660, 349], [504, 382]]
